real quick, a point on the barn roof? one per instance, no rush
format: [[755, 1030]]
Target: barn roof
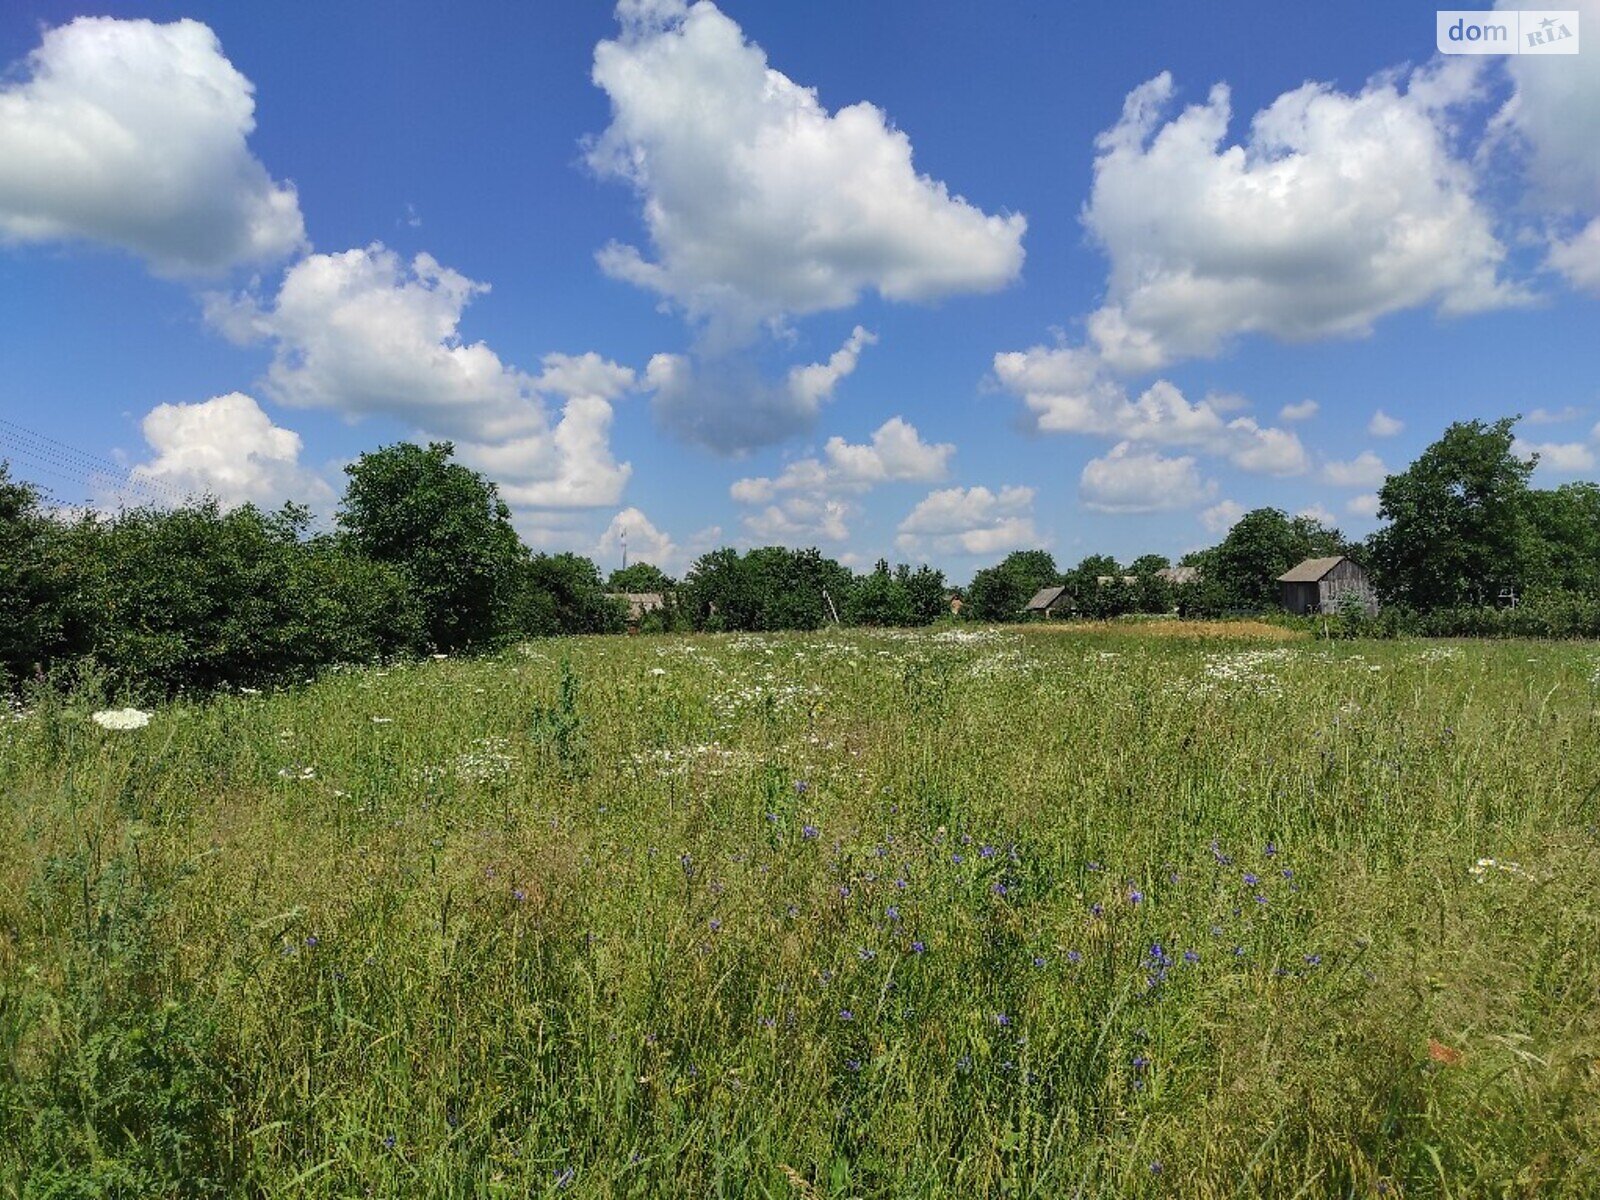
[[1311, 570], [1043, 599]]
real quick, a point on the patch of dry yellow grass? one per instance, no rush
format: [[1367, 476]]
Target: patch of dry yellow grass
[[1236, 631]]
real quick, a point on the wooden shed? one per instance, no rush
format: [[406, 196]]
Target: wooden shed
[[1049, 602], [1327, 585]]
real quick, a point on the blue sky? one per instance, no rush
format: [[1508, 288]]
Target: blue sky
[[1009, 275]]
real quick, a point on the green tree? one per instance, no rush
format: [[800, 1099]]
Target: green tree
[[1459, 521], [1149, 564], [1263, 544], [1566, 538], [448, 532], [640, 577], [31, 586], [562, 594]]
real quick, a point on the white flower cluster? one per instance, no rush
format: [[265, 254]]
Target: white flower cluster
[[121, 718], [1481, 869]]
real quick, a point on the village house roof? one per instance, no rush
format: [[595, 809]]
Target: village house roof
[[1043, 599], [1312, 570], [639, 603], [1179, 574]]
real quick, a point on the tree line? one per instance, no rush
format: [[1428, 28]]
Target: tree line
[[422, 558]]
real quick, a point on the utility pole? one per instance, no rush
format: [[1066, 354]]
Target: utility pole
[[624, 536]]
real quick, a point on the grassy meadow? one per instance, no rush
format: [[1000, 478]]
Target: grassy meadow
[[976, 912]]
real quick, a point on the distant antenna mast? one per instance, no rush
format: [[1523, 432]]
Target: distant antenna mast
[[623, 534]]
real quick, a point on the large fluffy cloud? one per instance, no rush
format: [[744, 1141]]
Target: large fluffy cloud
[[1335, 210], [364, 333], [1128, 480], [1068, 391], [759, 202], [970, 521], [728, 406], [1552, 117], [810, 498], [229, 448], [133, 134]]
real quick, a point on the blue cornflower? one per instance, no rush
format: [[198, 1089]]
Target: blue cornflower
[[1250, 879], [388, 1142], [1271, 850], [1074, 957], [1260, 899], [1002, 1020], [852, 1064], [985, 851], [846, 1015], [311, 939], [1097, 909], [867, 953], [1135, 896], [1094, 866], [1287, 873], [1191, 957], [518, 895], [1038, 960], [844, 891], [1140, 1062], [809, 832], [801, 787], [956, 858], [716, 925], [999, 889], [918, 947], [892, 913], [1314, 960]]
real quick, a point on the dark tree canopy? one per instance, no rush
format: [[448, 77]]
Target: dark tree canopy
[[447, 530], [640, 577], [1459, 520]]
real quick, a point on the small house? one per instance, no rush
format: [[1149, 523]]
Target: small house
[[1049, 602], [1179, 575], [639, 603], [1327, 585]]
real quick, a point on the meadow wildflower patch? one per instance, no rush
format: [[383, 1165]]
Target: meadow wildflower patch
[[865, 913]]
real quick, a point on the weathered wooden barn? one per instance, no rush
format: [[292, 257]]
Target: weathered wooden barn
[[1049, 602], [1327, 585]]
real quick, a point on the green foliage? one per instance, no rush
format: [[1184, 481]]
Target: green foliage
[[1242, 571], [446, 529], [31, 587], [999, 593], [897, 598], [194, 599], [766, 589], [562, 594], [640, 577], [798, 908], [1460, 526]]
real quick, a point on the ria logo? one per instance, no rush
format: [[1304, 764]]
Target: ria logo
[[1515, 31]]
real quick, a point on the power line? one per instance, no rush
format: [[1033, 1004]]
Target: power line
[[44, 454]]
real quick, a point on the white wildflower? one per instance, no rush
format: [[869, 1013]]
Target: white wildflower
[[121, 718]]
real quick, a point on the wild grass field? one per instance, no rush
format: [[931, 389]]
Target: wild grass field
[[959, 913]]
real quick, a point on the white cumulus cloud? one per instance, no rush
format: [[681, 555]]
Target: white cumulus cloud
[[1141, 481], [727, 405], [364, 333], [1364, 505], [812, 493], [1383, 425], [1068, 391], [1222, 516], [229, 448], [759, 202], [1334, 210], [970, 521], [133, 134], [1365, 470], [1557, 458], [1303, 411]]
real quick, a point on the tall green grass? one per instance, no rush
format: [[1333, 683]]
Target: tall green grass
[[847, 914]]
